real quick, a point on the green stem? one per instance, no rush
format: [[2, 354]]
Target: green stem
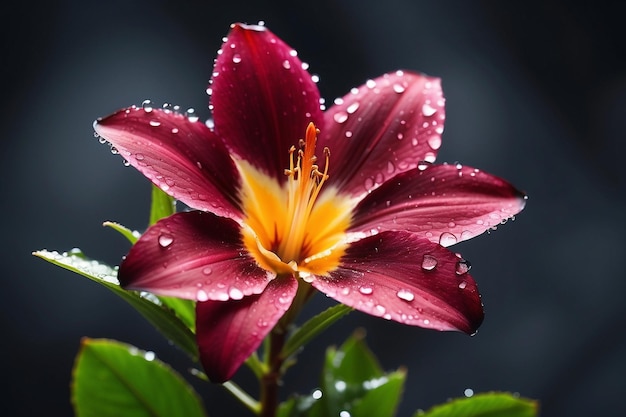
[[270, 380]]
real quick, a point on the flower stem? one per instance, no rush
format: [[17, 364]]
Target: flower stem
[[273, 358], [271, 379]]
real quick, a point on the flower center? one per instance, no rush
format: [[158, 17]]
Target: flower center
[[294, 226]]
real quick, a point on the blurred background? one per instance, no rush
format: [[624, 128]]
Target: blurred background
[[536, 93]]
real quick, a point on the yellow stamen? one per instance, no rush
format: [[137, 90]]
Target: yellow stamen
[[295, 227]]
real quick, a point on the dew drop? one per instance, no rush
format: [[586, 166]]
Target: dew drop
[[139, 157], [406, 295], [428, 110], [315, 78], [286, 64], [398, 88], [174, 130], [348, 133], [155, 123], [236, 58], [447, 239], [353, 107], [165, 240], [423, 165], [400, 136], [466, 234], [147, 106], [366, 290], [191, 115], [429, 262], [235, 293], [201, 295], [207, 270], [370, 84], [434, 142], [462, 267], [340, 117], [462, 285]]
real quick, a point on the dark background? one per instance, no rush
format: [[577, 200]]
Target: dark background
[[536, 93]]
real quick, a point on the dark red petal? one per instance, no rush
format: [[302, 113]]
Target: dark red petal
[[398, 276], [443, 203], [194, 255], [181, 156], [263, 99], [383, 128], [229, 331]]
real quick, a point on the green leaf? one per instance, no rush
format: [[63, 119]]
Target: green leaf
[[131, 235], [382, 396], [313, 327], [112, 379], [185, 310], [491, 404], [158, 314], [162, 205], [352, 382]]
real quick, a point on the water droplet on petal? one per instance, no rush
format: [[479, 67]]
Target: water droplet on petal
[[340, 117], [462, 285], [165, 240], [286, 64], [352, 107], [366, 290], [398, 88], [406, 295], [434, 142], [201, 295], [155, 123], [235, 293], [447, 239], [147, 106], [370, 83], [429, 262], [207, 270], [428, 110], [191, 115], [466, 234], [422, 165], [236, 58], [462, 267]]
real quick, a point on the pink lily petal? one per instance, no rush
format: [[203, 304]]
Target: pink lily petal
[[193, 255], [401, 277], [445, 204], [184, 158], [263, 98], [384, 127], [228, 332]]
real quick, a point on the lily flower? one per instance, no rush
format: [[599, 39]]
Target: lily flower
[[288, 197]]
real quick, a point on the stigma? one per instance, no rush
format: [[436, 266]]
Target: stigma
[[295, 226]]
